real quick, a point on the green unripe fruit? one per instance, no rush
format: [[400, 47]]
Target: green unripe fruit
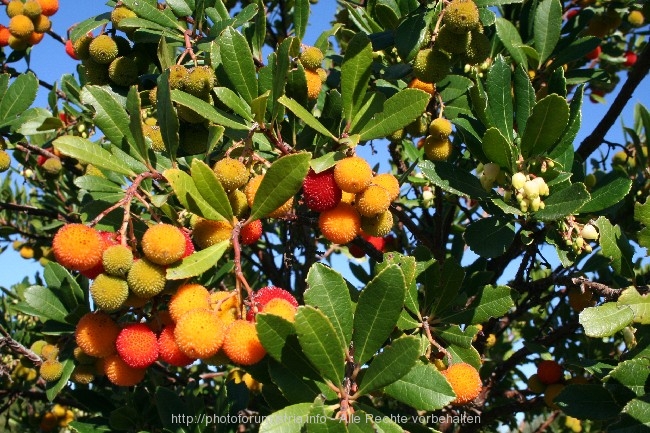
[[103, 49], [153, 96], [15, 7], [146, 279], [590, 180], [452, 42], [396, 136], [200, 81], [378, 225], [52, 167], [419, 126], [440, 129], [37, 346], [461, 16], [123, 71], [117, 260], [42, 24], [431, 66], [32, 9], [177, 76], [153, 133], [109, 292], [96, 73], [81, 47], [118, 14], [437, 150], [622, 158], [232, 173], [238, 203], [478, 48], [5, 161], [311, 58]]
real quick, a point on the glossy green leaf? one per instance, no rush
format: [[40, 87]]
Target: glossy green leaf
[[64, 286], [182, 8], [20, 95], [616, 247], [499, 150], [452, 179], [320, 343], [210, 188], [410, 35], [45, 303], [423, 388], [189, 196], [635, 417], [545, 125], [355, 73], [605, 320], [281, 182], [509, 36], [576, 50], [238, 63], [89, 25], [564, 202], [138, 145], [630, 375], [291, 419], [524, 98], [379, 306], [151, 13], [167, 117], [563, 153], [490, 302], [208, 111], [452, 334], [608, 194], [391, 364], [197, 263], [548, 22], [273, 332], [640, 304], [300, 17], [499, 98], [291, 382], [399, 110], [89, 152], [587, 401], [329, 292], [489, 237], [232, 101], [258, 31], [305, 116]]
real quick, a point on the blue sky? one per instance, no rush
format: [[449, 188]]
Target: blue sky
[[50, 62]]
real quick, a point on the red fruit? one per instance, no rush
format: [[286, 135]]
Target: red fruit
[[596, 92], [189, 246], [320, 190], [4, 36], [265, 294], [375, 241], [168, 349], [137, 345], [595, 53], [108, 239], [251, 233], [572, 13], [549, 372], [70, 50], [630, 59]]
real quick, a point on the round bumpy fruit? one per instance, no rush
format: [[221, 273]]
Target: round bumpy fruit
[[341, 224], [120, 373], [103, 49], [461, 16], [241, 343], [636, 18], [5, 161], [388, 182], [42, 24], [207, 232], [280, 307], [163, 244], [154, 133], [14, 8], [251, 232], [431, 66], [49, 7], [314, 84], [372, 201], [452, 42], [265, 295], [549, 372], [168, 349], [137, 345], [199, 81], [188, 297], [478, 49], [465, 381], [83, 374], [437, 150], [146, 279], [251, 191], [77, 247], [231, 173], [440, 128], [311, 58], [20, 26], [109, 292], [320, 190], [120, 13], [199, 333], [415, 83], [353, 174], [378, 225], [225, 304], [117, 260], [81, 47], [96, 73], [31, 9], [123, 71], [96, 334], [51, 370], [177, 76]]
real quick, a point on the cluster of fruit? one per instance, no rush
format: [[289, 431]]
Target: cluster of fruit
[[51, 368], [460, 38], [437, 146], [549, 380], [58, 416], [351, 200], [28, 23], [528, 191], [311, 59]]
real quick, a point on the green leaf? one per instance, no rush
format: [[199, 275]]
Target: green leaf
[[490, 302], [208, 111], [391, 364], [291, 382], [605, 320], [138, 145], [20, 95], [89, 152], [499, 98], [640, 304], [182, 8], [53, 388], [329, 293], [189, 196], [616, 247], [441, 284], [305, 116], [151, 13], [232, 101], [452, 179], [258, 106], [281, 182], [548, 22], [485, 3], [291, 419], [167, 403], [198, 262], [258, 30], [410, 35], [587, 401], [399, 110], [563, 152], [63, 285], [452, 334], [608, 195], [379, 306], [273, 332], [634, 418], [321, 343], [489, 237], [355, 73], [576, 50], [300, 17], [524, 98], [89, 25], [46, 303], [545, 125], [564, 202], [238, 64], [423, 388], [498, 150], [509, 36], [165, 54], [167, 117], [81, 427], [631, 375], [210, 188]]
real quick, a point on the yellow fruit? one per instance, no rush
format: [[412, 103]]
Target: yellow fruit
[[251, 190], [27, 252], [373, 200], [37, 347], [188, 297], [20, 26], [163, 244], [415, 83], [636, 18], [119, 13], [153, 133], [224, 304], [78, 247], [52, 167], [451, 42], [177, 76], [238, 202], [280, 307], [199, 81], [67, 418], [96, 334], [146, 279], [461, 16], [109, 292], [440, 128], [117, 260], [550, 393], [83, 374], [314, 84], [232, 173], [5, 161], [352, 174], [81, 47], [465, 381], [51, 370], [18, 44], [378, 225], [49, 351], [42, 24], [311, 58], [123, 71], [199, 333], [437, 150], [388, 182], [103, 50], [31, 9], [207, 232], [58, 410], [431, 66], [341, 224], [14, 8], [120, 374], [241, 343]]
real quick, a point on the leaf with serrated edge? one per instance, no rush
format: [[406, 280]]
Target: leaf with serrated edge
[[590, 401], [491, 301], [423, 388], [605, 320], [237, 61], [607, 195], [499, 98], [391, 364], [548, 22], [151, 13], [564, 202], [210, 188], [232, 101], [640, 304], [19, 96], [89, 152], [46, 303], [198, 262], [290, 419], [489, 237], [273, 332], [545, 125], [399, 110], [499, 150], [524, 98]]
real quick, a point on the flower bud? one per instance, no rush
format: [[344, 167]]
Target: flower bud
[[531, 189], [518, 180], [589, 232]]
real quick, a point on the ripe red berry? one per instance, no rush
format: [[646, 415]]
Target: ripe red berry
[[549, 372], [595, 53], [378, 242], [572, 13], [69, 49], [251, 233], [137, 345], [320, 190], [630, 59], [189, 246], [264, 295]]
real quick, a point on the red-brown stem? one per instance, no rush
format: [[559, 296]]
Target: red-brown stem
[[236, 246]]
